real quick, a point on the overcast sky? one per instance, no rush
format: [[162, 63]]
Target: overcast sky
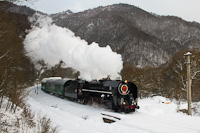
[[187, 9]]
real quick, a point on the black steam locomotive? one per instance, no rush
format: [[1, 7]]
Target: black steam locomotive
[[117, 95]]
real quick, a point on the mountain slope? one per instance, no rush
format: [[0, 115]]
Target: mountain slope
[[10, 7], [142, 38]]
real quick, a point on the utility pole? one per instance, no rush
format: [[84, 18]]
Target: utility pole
[[188, 54], [37, 82]]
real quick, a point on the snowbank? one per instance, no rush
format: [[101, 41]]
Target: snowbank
[[156, 114]]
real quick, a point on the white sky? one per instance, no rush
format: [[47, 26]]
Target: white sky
[[187, 9]]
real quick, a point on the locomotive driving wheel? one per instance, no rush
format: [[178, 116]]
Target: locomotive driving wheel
[[82, 101], [90, 100], [95, 100]]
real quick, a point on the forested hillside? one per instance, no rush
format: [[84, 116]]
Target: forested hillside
[[17, 71], [169, 80]]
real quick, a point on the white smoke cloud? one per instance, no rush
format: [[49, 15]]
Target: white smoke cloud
[[51, 43]]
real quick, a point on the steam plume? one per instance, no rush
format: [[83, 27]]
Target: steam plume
[[51, 43]]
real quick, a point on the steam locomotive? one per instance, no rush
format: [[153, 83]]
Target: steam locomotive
[[117, 95]]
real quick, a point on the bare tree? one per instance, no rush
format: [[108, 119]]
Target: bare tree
[[144, 78], [175, 78], [16, 69]]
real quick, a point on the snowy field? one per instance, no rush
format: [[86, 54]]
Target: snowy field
[[154, 116]]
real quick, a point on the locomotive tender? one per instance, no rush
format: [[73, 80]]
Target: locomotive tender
[[115, 94]]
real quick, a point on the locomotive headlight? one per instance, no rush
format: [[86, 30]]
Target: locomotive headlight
[[124, 103], [102, 95], [134, 103]]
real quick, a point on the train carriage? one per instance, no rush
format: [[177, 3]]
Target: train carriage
[[56, 86], [43, 82]]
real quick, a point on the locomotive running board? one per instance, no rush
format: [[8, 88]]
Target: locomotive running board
[[106, 92], [107, 118]]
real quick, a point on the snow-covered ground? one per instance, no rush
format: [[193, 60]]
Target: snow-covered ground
[[154, 116]]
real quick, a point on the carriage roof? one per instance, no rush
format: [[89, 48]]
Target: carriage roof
[[57, 81], [50, 78]]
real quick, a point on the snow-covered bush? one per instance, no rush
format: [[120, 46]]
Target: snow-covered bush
[[23, 120]]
